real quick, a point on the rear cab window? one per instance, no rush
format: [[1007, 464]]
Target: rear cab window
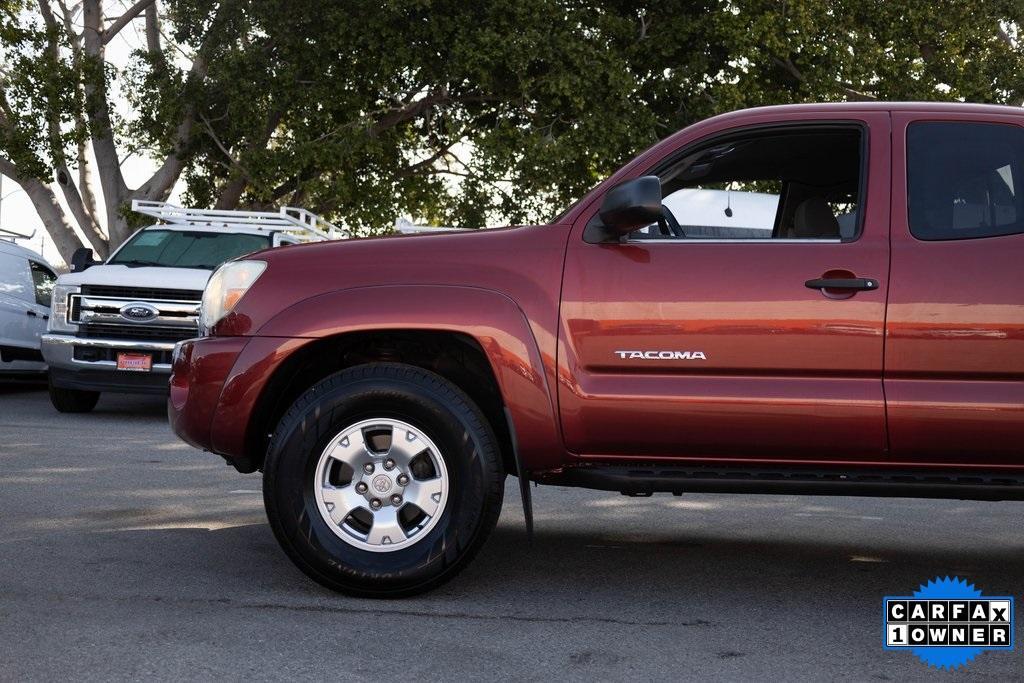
[[964, 180]]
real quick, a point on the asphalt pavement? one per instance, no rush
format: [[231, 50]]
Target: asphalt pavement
[[126, 554]]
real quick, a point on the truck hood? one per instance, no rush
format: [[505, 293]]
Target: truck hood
[[523, 263], [145, 276]]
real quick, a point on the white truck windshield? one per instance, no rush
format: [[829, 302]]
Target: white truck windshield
[[186, 249]]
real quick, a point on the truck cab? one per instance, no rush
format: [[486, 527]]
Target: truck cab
[[115, 323]]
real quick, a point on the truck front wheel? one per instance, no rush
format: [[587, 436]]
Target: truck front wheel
[[73, 400], [383, 480]]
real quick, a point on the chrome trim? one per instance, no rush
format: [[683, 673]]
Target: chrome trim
[[59, 352], [128, 344], [116, 303], [183, 323]]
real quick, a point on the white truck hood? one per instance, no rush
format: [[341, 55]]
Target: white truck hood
[[142, 276]]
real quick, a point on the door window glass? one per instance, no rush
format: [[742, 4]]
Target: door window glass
[[43, 280], [963, 180], [783, 184]]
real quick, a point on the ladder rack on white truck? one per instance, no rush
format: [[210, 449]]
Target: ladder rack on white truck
[[288, 218]]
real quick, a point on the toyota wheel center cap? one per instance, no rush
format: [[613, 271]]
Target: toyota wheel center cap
[[381, 483]]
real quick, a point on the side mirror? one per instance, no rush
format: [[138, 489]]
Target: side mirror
[[627, 207], [81, 259]]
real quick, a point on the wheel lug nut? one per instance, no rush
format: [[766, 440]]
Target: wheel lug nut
[[368, 468], [375, 504], [403, 479], [389, 464], [396, 500], [361, 487]]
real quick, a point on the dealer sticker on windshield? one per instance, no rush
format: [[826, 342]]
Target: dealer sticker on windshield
[[947, 623]]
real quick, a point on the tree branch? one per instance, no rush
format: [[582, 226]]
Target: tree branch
[[442, 151], [1005, 37], [232, 191], [847, 89], [125, 19], [88, 216], [8, 168], [48, 209], [78, 209], [408, 111], [69, 26], [98, 110], [153, 31], [61, 173], [159, 185]]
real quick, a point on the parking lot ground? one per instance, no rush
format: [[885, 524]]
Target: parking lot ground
[[125, 554]]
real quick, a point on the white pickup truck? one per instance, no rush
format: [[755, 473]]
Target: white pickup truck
[[113, 325]]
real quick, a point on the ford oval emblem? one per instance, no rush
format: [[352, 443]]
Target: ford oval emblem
[[139, 312]]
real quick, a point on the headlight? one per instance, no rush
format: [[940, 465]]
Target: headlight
[[225, 289], [60, 302]]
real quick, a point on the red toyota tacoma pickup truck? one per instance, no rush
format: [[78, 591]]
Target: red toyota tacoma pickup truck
[[820, 299]]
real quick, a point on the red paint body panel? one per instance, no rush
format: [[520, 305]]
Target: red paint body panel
[[491, 318], [792, 376], [789, 372], [200, 369], [243, 387], [955, 332]]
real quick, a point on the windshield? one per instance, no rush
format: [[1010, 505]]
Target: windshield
[[183, 249]]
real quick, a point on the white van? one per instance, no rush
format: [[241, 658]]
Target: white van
[[26, 282]]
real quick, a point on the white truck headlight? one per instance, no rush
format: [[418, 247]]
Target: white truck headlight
[[225, 289], [60, 309]]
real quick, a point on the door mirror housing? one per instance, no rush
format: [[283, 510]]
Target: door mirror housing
[[81, 259], [627, 207]]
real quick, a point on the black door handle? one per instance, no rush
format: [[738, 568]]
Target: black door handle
[[863, 283], [32, 314]]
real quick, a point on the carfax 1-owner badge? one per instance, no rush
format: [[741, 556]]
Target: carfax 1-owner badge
[[947, 623]]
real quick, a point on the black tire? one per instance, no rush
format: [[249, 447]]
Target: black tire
[[73, 400], [420, 398]]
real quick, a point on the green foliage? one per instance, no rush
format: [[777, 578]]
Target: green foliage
[[816, 50], [39, 86], [467, 113]]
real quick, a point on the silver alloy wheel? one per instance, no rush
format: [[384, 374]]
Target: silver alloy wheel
[[364, 502]]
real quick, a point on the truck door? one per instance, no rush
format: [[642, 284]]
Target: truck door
[[954, 374], [714, 334]]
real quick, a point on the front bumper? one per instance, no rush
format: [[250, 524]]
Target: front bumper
[[77, 363], [216, 383]]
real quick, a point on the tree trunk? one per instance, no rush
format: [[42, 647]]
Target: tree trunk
[[108, 163], [231, 193], [54, 220]]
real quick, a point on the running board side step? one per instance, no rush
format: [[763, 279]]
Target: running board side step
[[647, 479]]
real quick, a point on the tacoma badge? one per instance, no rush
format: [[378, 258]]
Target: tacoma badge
[[662, 355]]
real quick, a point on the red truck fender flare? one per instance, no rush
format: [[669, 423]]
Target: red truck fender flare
[[493, 319]]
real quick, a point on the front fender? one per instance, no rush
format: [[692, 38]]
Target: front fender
[[493, 319]]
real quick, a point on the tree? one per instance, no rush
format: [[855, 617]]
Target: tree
[[450, 111], [815, 50], [55, 102]]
